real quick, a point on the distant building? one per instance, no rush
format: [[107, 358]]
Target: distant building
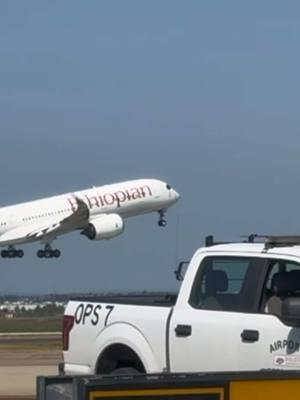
[[28, 306]]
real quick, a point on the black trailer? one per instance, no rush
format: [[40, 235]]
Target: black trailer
[[262, 385]]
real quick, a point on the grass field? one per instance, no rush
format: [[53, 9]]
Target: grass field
[[19, 325]]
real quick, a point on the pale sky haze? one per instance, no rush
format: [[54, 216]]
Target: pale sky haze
[[202, 94]]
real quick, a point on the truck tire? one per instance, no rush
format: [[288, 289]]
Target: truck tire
[[125, 371]]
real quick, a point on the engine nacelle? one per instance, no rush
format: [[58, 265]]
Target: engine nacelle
[[104, 227]]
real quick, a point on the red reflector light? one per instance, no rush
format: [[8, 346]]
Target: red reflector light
[[68, 323]]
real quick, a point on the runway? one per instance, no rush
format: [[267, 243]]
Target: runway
[[22, 359]]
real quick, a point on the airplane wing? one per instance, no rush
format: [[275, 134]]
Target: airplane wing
[[76, 220]]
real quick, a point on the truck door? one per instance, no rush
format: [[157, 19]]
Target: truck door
[[206, 328], [277, 344]]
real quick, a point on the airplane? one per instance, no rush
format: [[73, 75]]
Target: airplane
[[98, 213]]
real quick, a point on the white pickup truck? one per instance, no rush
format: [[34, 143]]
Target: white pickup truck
[[238, 309]]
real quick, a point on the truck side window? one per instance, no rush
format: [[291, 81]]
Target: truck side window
[[283, 281], [280, 266], [224, 283]]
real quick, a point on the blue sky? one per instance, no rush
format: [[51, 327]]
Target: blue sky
[[202, 94]]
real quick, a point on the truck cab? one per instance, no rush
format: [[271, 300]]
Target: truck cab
[[238, 309]]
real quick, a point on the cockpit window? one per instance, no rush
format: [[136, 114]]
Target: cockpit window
[[168, 186]]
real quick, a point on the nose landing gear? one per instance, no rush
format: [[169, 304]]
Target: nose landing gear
[[48, 252], [161, 222]]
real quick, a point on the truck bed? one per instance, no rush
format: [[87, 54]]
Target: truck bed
[[136, 299]]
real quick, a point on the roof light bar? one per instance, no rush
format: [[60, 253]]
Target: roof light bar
[[269, 241]]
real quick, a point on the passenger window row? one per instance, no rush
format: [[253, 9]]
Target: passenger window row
[[49, 214]]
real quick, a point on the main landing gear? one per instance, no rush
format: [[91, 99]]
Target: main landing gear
[[48, 252], [11, 252], [161, 221]]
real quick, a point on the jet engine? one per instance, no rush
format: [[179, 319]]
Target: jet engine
[[104, 227]]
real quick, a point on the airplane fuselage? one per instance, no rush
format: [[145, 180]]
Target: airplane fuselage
[[126, 199]]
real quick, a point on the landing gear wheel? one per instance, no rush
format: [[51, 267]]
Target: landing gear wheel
[[4, 253], [11, 253], [20, 253], [162, 222], [40, 253], [48, 253], [56, 253]]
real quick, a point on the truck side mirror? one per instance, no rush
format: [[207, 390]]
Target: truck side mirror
[[291, 311], [179, 272]]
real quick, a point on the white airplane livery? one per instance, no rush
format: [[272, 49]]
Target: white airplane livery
[[98, 213]]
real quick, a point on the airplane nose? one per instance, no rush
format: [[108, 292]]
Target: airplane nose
[[172, 194], [176, 195]]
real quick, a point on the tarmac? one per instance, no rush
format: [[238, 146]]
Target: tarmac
[[21, 380], [19, 369]]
